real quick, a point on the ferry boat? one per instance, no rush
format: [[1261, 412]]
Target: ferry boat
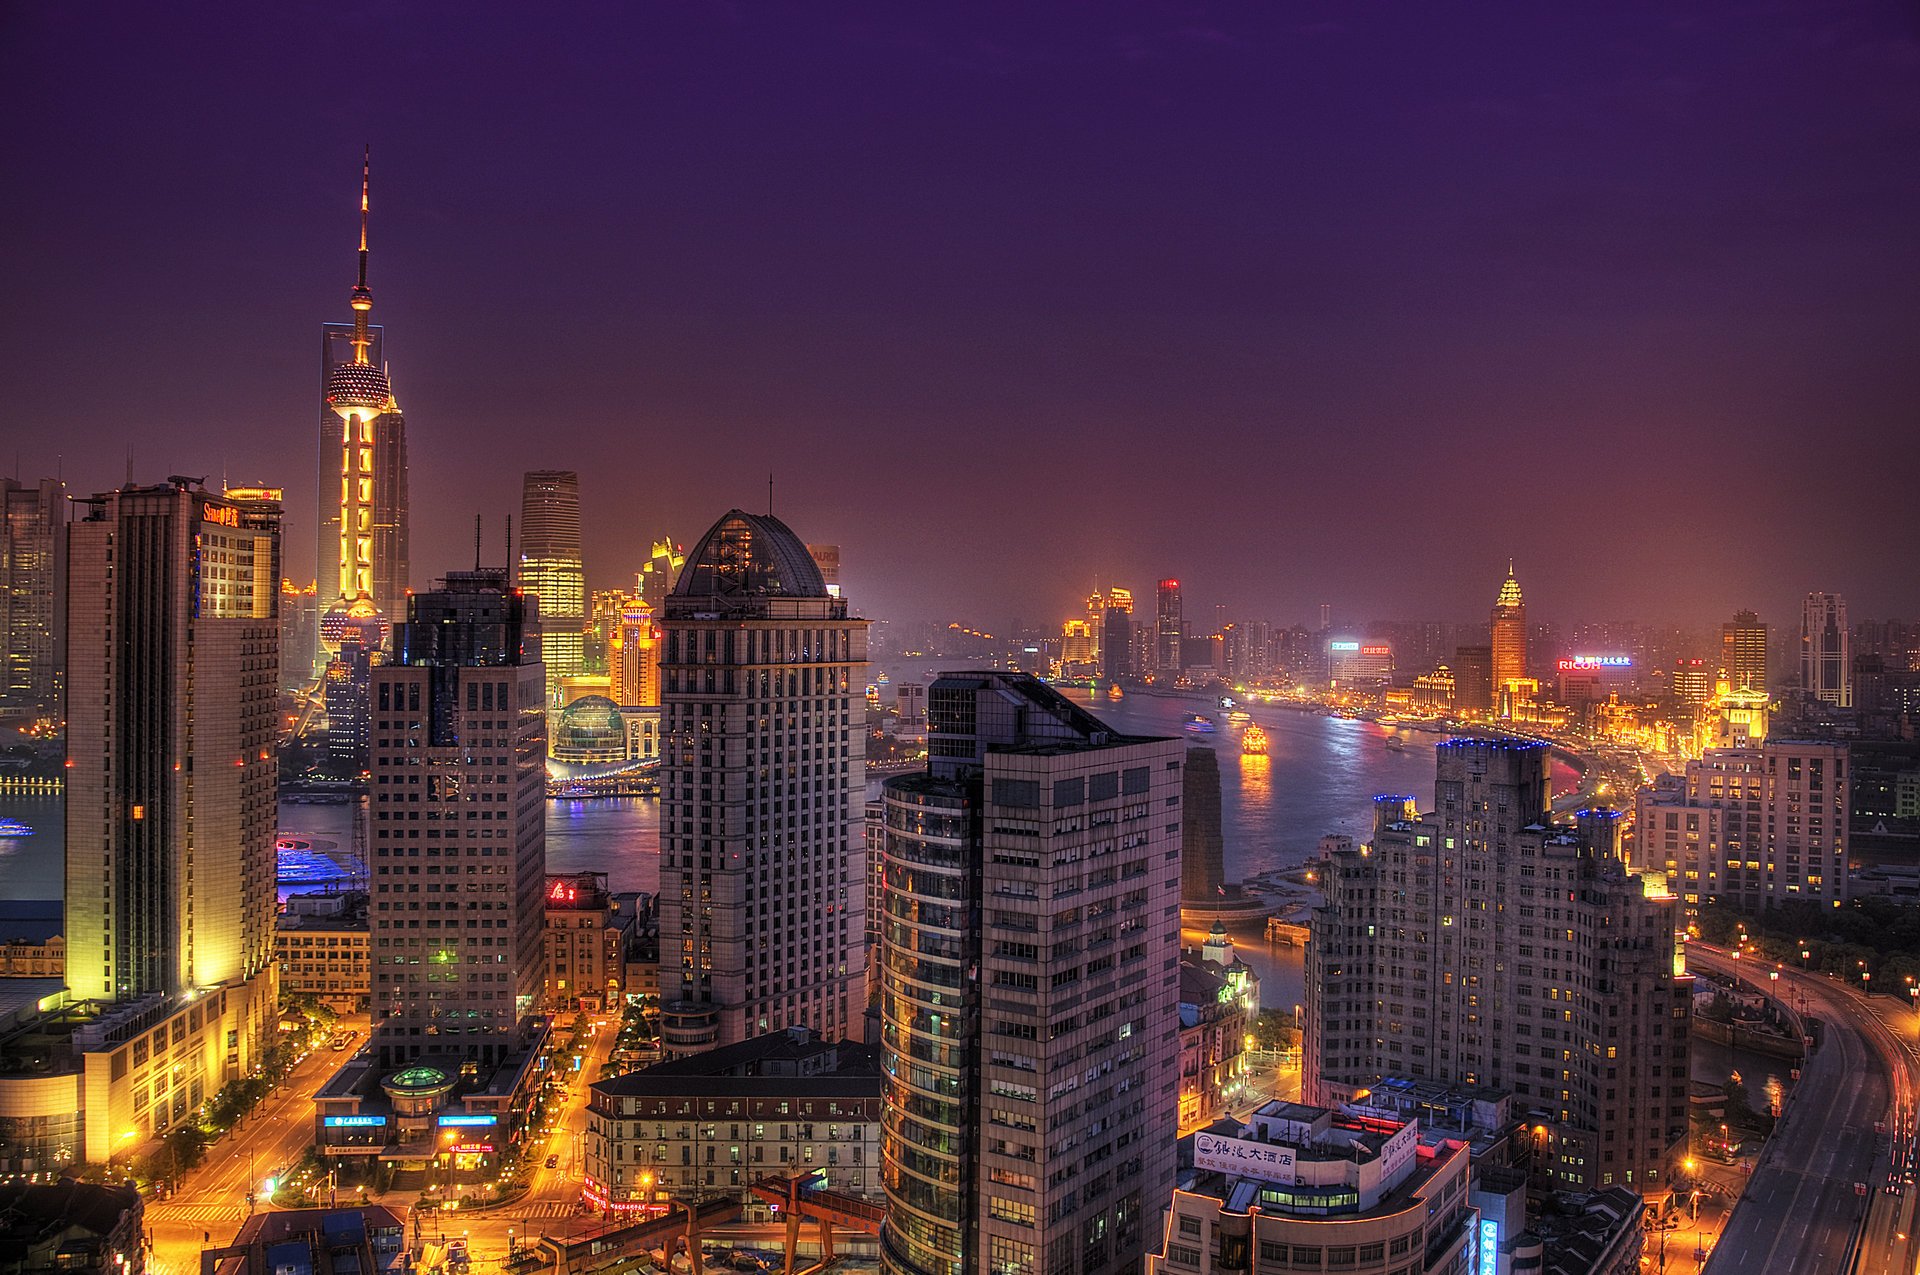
[[1200, 724], [1114, 691], [1253, 741], [1395, 744], [14, 828], [1239, 717]]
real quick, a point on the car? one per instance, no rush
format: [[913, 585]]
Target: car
[[553, 1162]]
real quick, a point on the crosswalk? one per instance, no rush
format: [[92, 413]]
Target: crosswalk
[[196, 1213], [544, 1208]]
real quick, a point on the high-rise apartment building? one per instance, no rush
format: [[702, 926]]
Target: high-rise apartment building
[[1169, 630], [174, 635], [1743, 652], [1826, 665], [1755, 823], [827, 558], [1203, 871], [551, 569], [1509, 641], [1030, 967], [1111, 613], [457, 832], [1485, 944], [363, 471], [762, 882], [172, 684], [633, 659], [31, 519]]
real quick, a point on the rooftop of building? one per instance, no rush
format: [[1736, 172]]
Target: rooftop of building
[[747, 555], [31, 1213], [31, 920], [796, 1061], [1577, 1243], [1088, 731], [1311, 1133], [315, 1242]]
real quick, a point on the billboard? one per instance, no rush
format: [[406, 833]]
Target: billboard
[[1244, 1157]]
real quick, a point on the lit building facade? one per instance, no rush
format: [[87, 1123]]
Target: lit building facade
[[656, 580], [1826, 665], [762, 871], [586, 940], [1030, 984], [363, 478], [173, 647], [1509, 644], [1169, 630], [1485, 945], [633, 658], [31, 516], [457, 838], [782, 1104], [552, 571], [1756, 824], [1305, 1188], [1743, 653], [320, 945]]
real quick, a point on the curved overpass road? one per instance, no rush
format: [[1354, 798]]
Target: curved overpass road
[[1801, 1207]]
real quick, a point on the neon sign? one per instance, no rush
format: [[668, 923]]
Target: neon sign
[[353, 1122], [1343, 646], [1489, 1248], [1376, 650], [453, 1122], [473, 1148], [1596, 661]]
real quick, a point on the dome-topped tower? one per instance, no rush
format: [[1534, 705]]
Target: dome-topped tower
[[749, 556]]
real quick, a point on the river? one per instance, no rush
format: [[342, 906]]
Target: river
[[1319, 777]]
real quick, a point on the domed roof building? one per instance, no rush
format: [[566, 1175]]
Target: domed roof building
[[747, 556]]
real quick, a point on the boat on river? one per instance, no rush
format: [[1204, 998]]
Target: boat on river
[[1253, 741], [1200, 724]]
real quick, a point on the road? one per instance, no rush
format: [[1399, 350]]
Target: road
[[211, 1201], [1800, 1208], [551, 1203]]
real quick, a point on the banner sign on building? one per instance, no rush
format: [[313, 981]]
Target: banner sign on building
[[1246, 1158]]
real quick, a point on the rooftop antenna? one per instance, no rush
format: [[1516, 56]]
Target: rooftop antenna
[[509, 548], [476, 544], [129, 464]]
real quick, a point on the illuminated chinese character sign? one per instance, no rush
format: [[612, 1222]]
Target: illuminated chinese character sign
[[1248, 1159], [1489, 1248]]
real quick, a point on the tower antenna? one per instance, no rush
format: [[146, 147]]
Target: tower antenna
[[509, 549], [476, 544], [362, 299], [769, 495]]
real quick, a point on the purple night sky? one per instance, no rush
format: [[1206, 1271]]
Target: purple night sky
[[1299, 302]]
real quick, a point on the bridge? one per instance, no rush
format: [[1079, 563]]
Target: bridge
[[570, 1255], [796, 1200]]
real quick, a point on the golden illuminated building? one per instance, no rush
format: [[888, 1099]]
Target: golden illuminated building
[[633, 657], [1509, 645], [371, 566]]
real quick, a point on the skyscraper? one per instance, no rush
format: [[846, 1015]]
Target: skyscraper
[[657, 578], [1826, 666], [30, 524], [633, 660], [762, 884], [1030, 966], [1484, 944], [1509, 641], [1743, 653], [1169, 630], [363, 474], [458, 804], [173, 652], [551, 570], [1203, 872], [1111, 614]]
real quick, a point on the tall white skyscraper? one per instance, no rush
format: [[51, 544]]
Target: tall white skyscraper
[[1826, 670], [762, 889]]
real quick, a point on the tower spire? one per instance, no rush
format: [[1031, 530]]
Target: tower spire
[[362, 295]]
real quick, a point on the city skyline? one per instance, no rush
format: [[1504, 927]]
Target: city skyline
[[1589, 243]]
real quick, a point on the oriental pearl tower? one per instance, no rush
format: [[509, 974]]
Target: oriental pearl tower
[[371, 586]]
